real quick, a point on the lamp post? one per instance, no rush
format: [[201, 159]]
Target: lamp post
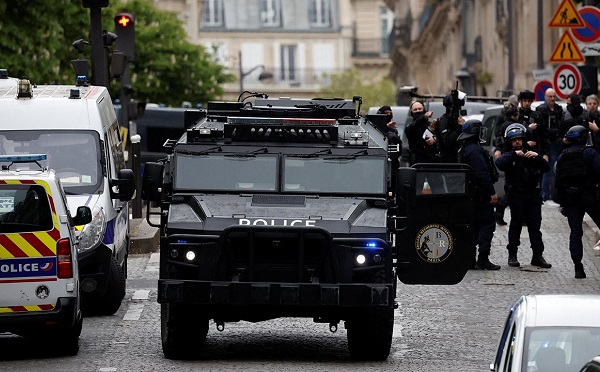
[[264, 75], [464, 75]]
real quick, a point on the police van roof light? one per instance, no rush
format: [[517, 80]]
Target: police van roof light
[[22, 158], [24, 89], [82, 81], [3, 73]]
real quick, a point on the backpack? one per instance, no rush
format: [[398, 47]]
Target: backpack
[[572, 170], [489, 162]]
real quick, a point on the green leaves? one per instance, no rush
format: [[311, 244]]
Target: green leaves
[[36, 38]]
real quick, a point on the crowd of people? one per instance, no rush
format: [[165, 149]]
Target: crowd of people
[[549, 156]]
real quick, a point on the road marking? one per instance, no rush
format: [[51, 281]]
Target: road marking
[[107, 369], [134, 312], [141, 294]]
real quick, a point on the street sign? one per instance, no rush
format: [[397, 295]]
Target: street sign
[[566, 16], [566, 50], [591, 31], [540, 89], [567, 80], [545, 74], [590, 50]]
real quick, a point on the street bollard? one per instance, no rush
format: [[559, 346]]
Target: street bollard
[[137, 201]]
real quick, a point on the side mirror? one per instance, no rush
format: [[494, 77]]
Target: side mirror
[[83, 217], [125, 185], [152, 181], [406, 193]]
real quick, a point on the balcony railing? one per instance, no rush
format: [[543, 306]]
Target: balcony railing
[[292, 77], [362, 47]]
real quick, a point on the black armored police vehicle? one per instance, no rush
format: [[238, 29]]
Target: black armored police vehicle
[[290, 208]]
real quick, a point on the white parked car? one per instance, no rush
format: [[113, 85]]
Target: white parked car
[[556, 333]]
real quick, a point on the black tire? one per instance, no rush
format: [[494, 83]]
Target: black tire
[[183, 331], [115, 290], [64, 342], [370, 329]]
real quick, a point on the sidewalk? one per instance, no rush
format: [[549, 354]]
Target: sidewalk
[[144, 238]]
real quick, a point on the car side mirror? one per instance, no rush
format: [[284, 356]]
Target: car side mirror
[[83, 217], [152, 181], [125, 185]]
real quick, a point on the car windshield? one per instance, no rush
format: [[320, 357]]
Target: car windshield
[[559, 348], [332, 174], [72, 154]]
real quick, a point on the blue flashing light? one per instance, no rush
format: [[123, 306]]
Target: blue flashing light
[[371, 245], [22, 158], [180, 241]]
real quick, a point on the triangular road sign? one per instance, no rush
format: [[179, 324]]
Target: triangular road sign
[[567, 16], [567, 50]]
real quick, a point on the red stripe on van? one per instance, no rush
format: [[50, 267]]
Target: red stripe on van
[[11, 247], [46, 307], [54, 234], [50, 279]]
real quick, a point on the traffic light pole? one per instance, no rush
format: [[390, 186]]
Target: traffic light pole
[[99, 62]]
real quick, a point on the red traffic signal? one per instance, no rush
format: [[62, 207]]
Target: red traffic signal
[[124, 20]]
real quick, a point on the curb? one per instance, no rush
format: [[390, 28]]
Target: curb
[[144, 238]]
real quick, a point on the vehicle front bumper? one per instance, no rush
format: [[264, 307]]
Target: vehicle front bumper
[[95, 265], [275, 294]]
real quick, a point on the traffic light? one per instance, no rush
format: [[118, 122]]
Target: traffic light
[[125, 30]]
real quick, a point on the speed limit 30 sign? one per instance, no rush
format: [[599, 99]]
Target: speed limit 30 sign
[[567, 80]]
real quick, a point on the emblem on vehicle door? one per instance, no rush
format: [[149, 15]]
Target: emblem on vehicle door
[[434, 243]]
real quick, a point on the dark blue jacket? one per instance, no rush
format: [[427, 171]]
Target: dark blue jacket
[[520, 172], [474, 156]]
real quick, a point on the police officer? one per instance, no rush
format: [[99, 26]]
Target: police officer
[[577, 179], [548, 117], [523, 169], [479, 160]]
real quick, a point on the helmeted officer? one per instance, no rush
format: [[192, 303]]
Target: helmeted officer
[[523, 169], [577, 180], [479, 160]]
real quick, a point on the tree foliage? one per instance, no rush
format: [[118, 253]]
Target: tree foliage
[[349, 83], [36, 38]]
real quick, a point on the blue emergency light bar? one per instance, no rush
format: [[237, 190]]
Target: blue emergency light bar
[[22, 158]]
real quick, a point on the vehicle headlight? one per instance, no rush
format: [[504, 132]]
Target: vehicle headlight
[[92, 233]]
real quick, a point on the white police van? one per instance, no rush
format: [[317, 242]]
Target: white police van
[[76, 127], [38, 257]]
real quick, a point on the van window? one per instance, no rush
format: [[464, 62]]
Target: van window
[[24, 208], [74, 155]]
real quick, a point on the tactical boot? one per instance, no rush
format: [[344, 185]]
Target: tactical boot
[[539, 261], [512, 260], [483, 263], [579, 272]]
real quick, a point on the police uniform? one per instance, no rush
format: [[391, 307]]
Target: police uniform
[[523, 175], [577, 179], [472, 154]]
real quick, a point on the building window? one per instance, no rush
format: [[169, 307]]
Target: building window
[[270, 13], [319, 13], [212, 14], [287, 72]]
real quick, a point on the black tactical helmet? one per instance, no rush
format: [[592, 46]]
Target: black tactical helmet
[[526, 94], [577, 134], [515, 130], [470, 128]]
